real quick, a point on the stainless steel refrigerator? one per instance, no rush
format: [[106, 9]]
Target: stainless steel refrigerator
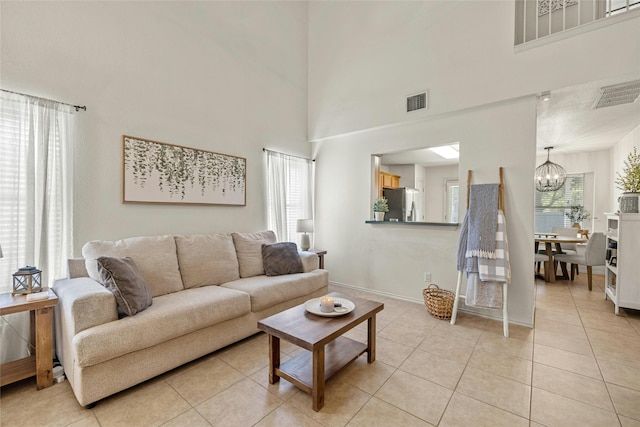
[[402, 204]]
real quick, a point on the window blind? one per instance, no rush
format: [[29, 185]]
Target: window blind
[[453, 189], [12, 184], [35, 186], [290, 193], [550, 207]]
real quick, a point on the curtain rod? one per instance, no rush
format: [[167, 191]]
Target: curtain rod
[[77, 107], [290, 155]]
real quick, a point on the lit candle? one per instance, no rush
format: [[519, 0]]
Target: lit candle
[[326, 304]]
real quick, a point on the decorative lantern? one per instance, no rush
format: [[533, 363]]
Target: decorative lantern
[[26, 280]]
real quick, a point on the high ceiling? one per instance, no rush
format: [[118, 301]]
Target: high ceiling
[[567, 121]]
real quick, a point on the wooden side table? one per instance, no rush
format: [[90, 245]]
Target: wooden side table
[[320, 254], [40, 364]]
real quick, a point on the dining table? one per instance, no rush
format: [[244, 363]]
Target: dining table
[[549, 240]]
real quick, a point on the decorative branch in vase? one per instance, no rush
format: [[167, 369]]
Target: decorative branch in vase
[[629, 183], [576, 215]]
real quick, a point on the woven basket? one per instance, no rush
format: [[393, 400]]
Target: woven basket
[[439, 302]]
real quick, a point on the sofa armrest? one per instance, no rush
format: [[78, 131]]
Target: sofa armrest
[[310, 261], [76, 267], [83, 303]]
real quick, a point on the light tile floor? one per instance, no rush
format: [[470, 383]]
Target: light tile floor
[[580, 366]]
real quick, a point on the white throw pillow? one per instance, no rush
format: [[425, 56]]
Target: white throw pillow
[[249, 251], [207, 259]]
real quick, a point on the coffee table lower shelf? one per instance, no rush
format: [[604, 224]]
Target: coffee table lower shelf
[[337, 355], [326, 349]]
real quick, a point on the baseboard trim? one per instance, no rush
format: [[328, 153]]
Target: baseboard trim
[[462, 308]]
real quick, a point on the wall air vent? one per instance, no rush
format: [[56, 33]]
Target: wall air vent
[[624, 93], [417, 102]]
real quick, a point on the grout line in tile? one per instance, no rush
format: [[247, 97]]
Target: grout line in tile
[[575, 292], [575, 400], [580, 316], [533, 357]]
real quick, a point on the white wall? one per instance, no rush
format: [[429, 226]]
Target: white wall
[[229, 77], [366, 57], [407, 174], [619, 154], [393, 258]]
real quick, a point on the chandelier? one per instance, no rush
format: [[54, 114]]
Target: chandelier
[[550, 176]]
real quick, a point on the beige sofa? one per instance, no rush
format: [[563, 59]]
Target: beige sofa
[[208, 291]]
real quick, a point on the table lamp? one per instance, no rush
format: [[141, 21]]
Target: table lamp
[[304, 226]]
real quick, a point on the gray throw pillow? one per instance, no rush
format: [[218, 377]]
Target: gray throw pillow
[[281, 258], [122, 278]]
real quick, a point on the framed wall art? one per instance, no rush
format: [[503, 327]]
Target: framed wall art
[[156, 172]]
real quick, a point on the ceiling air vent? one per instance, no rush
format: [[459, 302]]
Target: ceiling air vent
[[417, 102], [624, 93]]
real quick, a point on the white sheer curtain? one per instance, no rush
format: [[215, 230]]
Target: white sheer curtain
[[35, 199], [289, 193]]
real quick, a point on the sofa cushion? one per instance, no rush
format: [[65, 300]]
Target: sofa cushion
[[207, 259], [268, 291], [281, 258], [249, 251], [310, 261], [170, 316], [122, 278], [155, 257]]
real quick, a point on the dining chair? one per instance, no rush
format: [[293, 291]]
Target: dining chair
[[541, 259], [594, 254], [567, 248]]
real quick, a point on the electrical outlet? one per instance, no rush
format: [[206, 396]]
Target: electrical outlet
[[427, 277]]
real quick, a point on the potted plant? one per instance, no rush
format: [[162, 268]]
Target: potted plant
[[629, 183], [576, 215], [380, 206]]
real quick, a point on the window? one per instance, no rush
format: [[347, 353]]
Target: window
[[452, 188], [551, 206], [289, 193], [35, 200], [35, 186]]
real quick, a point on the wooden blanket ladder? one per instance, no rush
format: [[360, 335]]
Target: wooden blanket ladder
[[505, 315]]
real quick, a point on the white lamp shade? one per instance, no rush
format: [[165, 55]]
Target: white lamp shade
[[304, 226]]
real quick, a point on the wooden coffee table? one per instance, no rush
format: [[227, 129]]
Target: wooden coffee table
[[329, 351]]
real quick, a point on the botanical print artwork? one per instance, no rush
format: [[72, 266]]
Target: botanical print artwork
[[155, 172], [544, 5]]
